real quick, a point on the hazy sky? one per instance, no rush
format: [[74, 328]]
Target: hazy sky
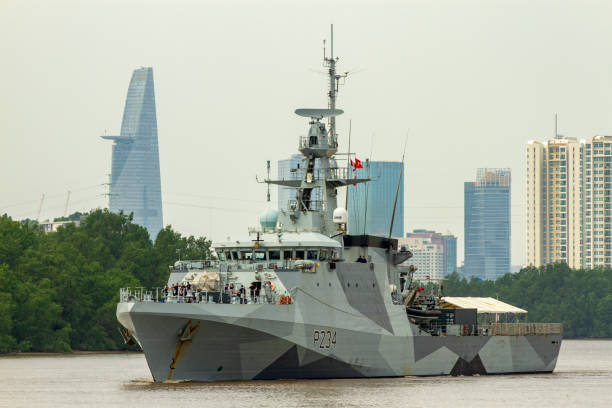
[[472, 82]]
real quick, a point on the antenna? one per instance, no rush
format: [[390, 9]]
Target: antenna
[[332, 41], [268, 166], [348, 163], [109, 184], [556, 132], [66, 207], [397, 193], [42, 199]]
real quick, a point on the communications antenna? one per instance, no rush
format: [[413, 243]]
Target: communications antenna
[[66, 207], [334, 82], [42, 200], [108, 193], [397, 192], [268, 166]]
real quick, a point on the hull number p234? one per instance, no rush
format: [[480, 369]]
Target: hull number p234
[[324, 339]]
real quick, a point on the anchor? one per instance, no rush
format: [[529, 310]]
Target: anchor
[[185, 335]]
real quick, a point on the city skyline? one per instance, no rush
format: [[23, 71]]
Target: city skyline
[[469, 94]]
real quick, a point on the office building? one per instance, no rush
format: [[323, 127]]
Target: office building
[[135, 185], [553, 197], [487, 224], [370, 205], [450, 253], [434, 254]]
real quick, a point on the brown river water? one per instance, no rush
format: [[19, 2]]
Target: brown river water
[[583, 378]]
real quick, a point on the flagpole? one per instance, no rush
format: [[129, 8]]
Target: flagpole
[[348, 164]]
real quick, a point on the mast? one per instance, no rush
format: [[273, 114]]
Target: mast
[[331, 63], [307, 213]]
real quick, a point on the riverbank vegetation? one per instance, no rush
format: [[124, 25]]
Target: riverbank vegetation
[[58, 291]]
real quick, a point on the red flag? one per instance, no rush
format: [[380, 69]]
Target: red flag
[[352, 162], [358, 164]]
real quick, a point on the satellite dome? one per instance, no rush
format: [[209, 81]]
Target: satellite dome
[[340, 216], [267, 219]]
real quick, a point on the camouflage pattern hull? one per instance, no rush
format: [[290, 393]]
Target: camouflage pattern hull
[[353, 332]]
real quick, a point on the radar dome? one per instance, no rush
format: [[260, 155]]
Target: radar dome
[[340, 216], [267, 219]]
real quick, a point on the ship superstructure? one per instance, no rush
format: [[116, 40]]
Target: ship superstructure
[[300, 297]]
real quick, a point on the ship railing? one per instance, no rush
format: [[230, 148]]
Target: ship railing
[[500, 329], [264, 296], [334, 173], [242, 265], [520, 329], [313, 205], [310, 142]]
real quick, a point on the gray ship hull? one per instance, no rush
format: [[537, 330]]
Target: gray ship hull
[[241, 342]]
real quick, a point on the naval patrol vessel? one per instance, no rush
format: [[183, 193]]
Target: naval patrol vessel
[[300, 297]]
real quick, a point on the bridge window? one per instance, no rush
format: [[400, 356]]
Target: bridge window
[[312, 255], [235, 255], [221, 256], [274, 255], [299, 254], [323, 255], [287, 254], [260, 255]]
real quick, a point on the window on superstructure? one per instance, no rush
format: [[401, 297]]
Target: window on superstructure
[[311, 255], [221, 256], [299, 254], [235, 255], [260, 255], [287, 254], [274, 255], [246, 254], [323, 255]]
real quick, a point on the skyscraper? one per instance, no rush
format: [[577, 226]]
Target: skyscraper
[[487, 224], [291, 169], [554, 204], [450, 253], [597, 182], [135, 185], [370, 205]]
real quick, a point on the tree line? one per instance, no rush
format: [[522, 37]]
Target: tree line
[[59, 291]]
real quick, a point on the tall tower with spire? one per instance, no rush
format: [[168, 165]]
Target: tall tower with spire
[[135, 185]]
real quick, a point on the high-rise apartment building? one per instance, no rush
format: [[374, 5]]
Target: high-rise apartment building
[[291, 169], [135, 185], [434, 254], [597, 199], [427, 257], [487, 224], [370, 205], [554, 204]]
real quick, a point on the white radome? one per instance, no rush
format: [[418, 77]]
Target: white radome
[[340, 216]]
